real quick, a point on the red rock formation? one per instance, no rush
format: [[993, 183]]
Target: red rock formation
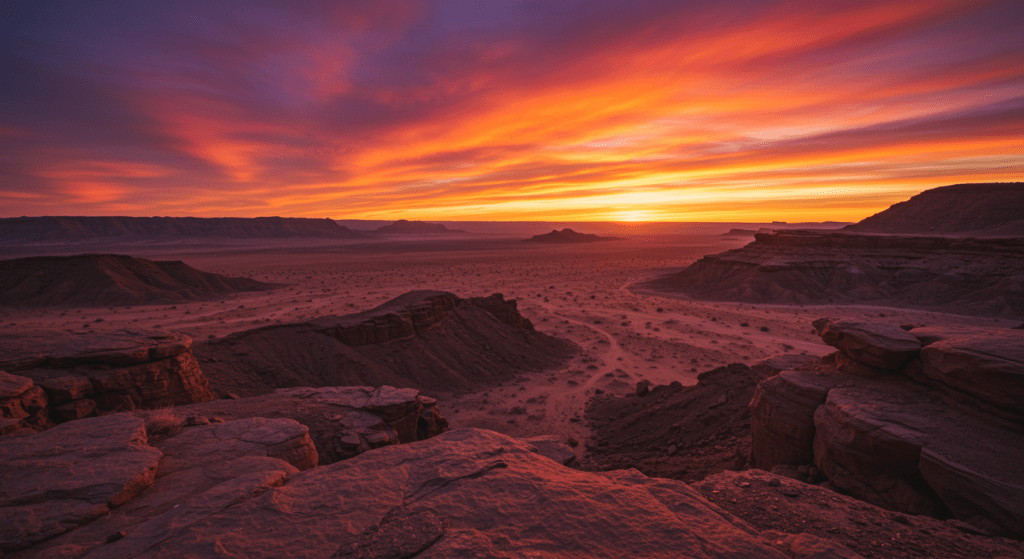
[[70, 377], [967, 276], [422, 339], [899, 439]]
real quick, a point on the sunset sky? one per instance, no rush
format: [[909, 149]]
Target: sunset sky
[[504, 110]]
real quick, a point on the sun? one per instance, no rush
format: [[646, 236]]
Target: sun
[[633, 215]]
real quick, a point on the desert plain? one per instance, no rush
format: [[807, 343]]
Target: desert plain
[[590, 294]]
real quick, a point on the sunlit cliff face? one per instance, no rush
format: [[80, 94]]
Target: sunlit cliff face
[[481, 109]]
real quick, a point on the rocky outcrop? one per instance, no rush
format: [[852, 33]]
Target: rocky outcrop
[[988, 365], [343, 421], [284, 439], [54, 481], [370, 417], [878, 345], [466, 493], [74, 488], [56, 379], [423, 340], [782, 417], [111, 280], [961, 275], [22, 404], [900, 438]]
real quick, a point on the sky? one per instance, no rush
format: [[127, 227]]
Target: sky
[[639, 110]]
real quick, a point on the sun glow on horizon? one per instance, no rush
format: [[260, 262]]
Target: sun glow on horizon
[[671, 112]]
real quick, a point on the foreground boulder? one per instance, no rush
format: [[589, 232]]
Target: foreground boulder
[[878, 345], [946, 442], [56, 379], [54, 481], [69, 489], [423, 340]]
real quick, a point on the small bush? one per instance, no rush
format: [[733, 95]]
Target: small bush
[[163, 421]]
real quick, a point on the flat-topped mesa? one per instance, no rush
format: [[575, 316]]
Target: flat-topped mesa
[[52, 379], [568, 236], [978, 276], [422, 339], [929, 421]]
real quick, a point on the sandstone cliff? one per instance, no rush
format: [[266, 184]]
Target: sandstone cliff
[[928, 421], [969, 276], [51, 379]]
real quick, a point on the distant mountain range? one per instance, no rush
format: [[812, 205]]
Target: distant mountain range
[[568, 236], [71, 229]]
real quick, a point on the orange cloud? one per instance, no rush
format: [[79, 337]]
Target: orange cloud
[[660, 111]]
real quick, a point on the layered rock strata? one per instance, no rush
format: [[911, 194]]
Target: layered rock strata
[[423, 339], [55, 379], [898, 437], [343, 421], [72, 489], [962, 275]]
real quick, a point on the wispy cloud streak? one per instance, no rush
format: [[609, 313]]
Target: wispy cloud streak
[[506, 110]]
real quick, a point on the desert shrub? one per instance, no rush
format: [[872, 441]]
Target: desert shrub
[[163, 421]]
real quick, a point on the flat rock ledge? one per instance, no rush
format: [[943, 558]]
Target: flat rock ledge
[[50, 380], [54, 481], [67, 490], [465, 493], [936, 431]]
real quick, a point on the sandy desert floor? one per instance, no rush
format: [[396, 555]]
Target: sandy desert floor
[[583, 293]]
